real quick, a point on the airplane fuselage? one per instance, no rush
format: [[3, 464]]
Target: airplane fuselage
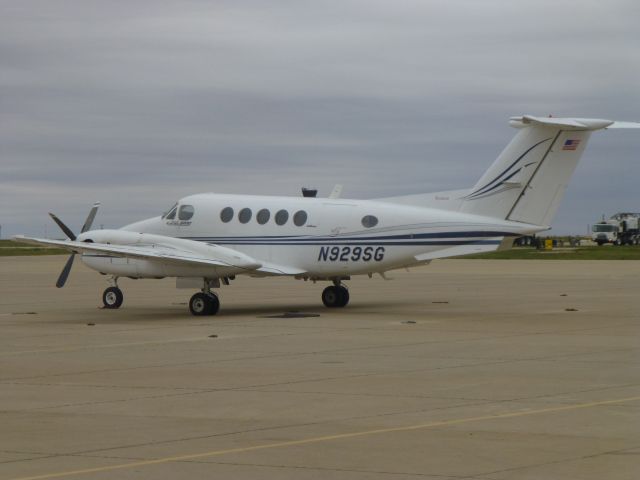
[[313, 237]]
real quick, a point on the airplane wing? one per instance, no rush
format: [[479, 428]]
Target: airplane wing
[[164, 253], [269, 269]]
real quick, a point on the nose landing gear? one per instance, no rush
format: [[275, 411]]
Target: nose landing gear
[[112, 297]]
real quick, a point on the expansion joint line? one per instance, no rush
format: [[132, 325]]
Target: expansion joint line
[[328, 438]]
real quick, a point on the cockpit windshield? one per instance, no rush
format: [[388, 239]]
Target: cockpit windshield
[[171, 213]]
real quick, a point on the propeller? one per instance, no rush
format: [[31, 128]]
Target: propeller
[[62, 279]]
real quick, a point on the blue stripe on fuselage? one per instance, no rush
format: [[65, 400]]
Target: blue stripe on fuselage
[[352, 242], [355, 238]]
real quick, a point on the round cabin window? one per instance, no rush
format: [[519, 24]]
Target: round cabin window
[[369, 221], [263, 216], [245, 215], [281, 217], [300, 218], [226, 214]]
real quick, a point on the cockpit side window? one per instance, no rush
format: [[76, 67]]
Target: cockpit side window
[[186, 212], [171, 213]]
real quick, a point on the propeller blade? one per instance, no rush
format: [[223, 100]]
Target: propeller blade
[[62, 279], [63, 227], [89, 221]]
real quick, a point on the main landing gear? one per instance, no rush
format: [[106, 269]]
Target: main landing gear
[[204, 303], [335, 296]]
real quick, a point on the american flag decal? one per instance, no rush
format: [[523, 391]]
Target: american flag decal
[[570, 144]]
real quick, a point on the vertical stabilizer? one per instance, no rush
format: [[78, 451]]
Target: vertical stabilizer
[[541, 196], [527, 181]]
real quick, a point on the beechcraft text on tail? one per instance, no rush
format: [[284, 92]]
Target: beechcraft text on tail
[[206, 240]]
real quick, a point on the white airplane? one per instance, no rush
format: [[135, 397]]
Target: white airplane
[[207, 239]]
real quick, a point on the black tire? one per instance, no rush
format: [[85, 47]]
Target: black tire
[[112, 297], [335, 297], [344, 296], [214, 304], [200, 304], [331, 297]]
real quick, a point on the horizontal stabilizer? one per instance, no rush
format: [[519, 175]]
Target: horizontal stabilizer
[[624, 125], [571, 124], [562, 123]]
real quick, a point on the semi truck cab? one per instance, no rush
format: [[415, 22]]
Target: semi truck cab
[[620, 229], [602, 233]]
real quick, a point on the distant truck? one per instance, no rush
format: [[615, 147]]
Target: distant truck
[[620, 229]]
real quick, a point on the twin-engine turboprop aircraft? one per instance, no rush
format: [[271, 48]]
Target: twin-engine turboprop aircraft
[[207, 239]]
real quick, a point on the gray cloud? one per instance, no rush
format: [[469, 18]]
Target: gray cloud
[[139, 103]]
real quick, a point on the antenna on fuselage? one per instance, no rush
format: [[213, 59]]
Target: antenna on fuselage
[[337, 191], [309, 192]]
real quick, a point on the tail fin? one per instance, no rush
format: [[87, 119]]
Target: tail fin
[[527, 181]]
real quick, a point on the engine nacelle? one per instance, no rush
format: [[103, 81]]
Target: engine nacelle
[[234, 261]]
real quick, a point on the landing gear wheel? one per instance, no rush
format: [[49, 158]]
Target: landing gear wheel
[[344, 296], [112, 297], [334, 297], [214, 303], [204, 304]]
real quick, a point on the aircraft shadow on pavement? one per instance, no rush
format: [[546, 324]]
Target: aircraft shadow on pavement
[[267, 312]]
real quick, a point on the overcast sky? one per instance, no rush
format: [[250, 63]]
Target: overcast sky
[[138, 103]]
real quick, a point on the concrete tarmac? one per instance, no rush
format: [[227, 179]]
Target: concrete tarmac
[[462, 369]]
